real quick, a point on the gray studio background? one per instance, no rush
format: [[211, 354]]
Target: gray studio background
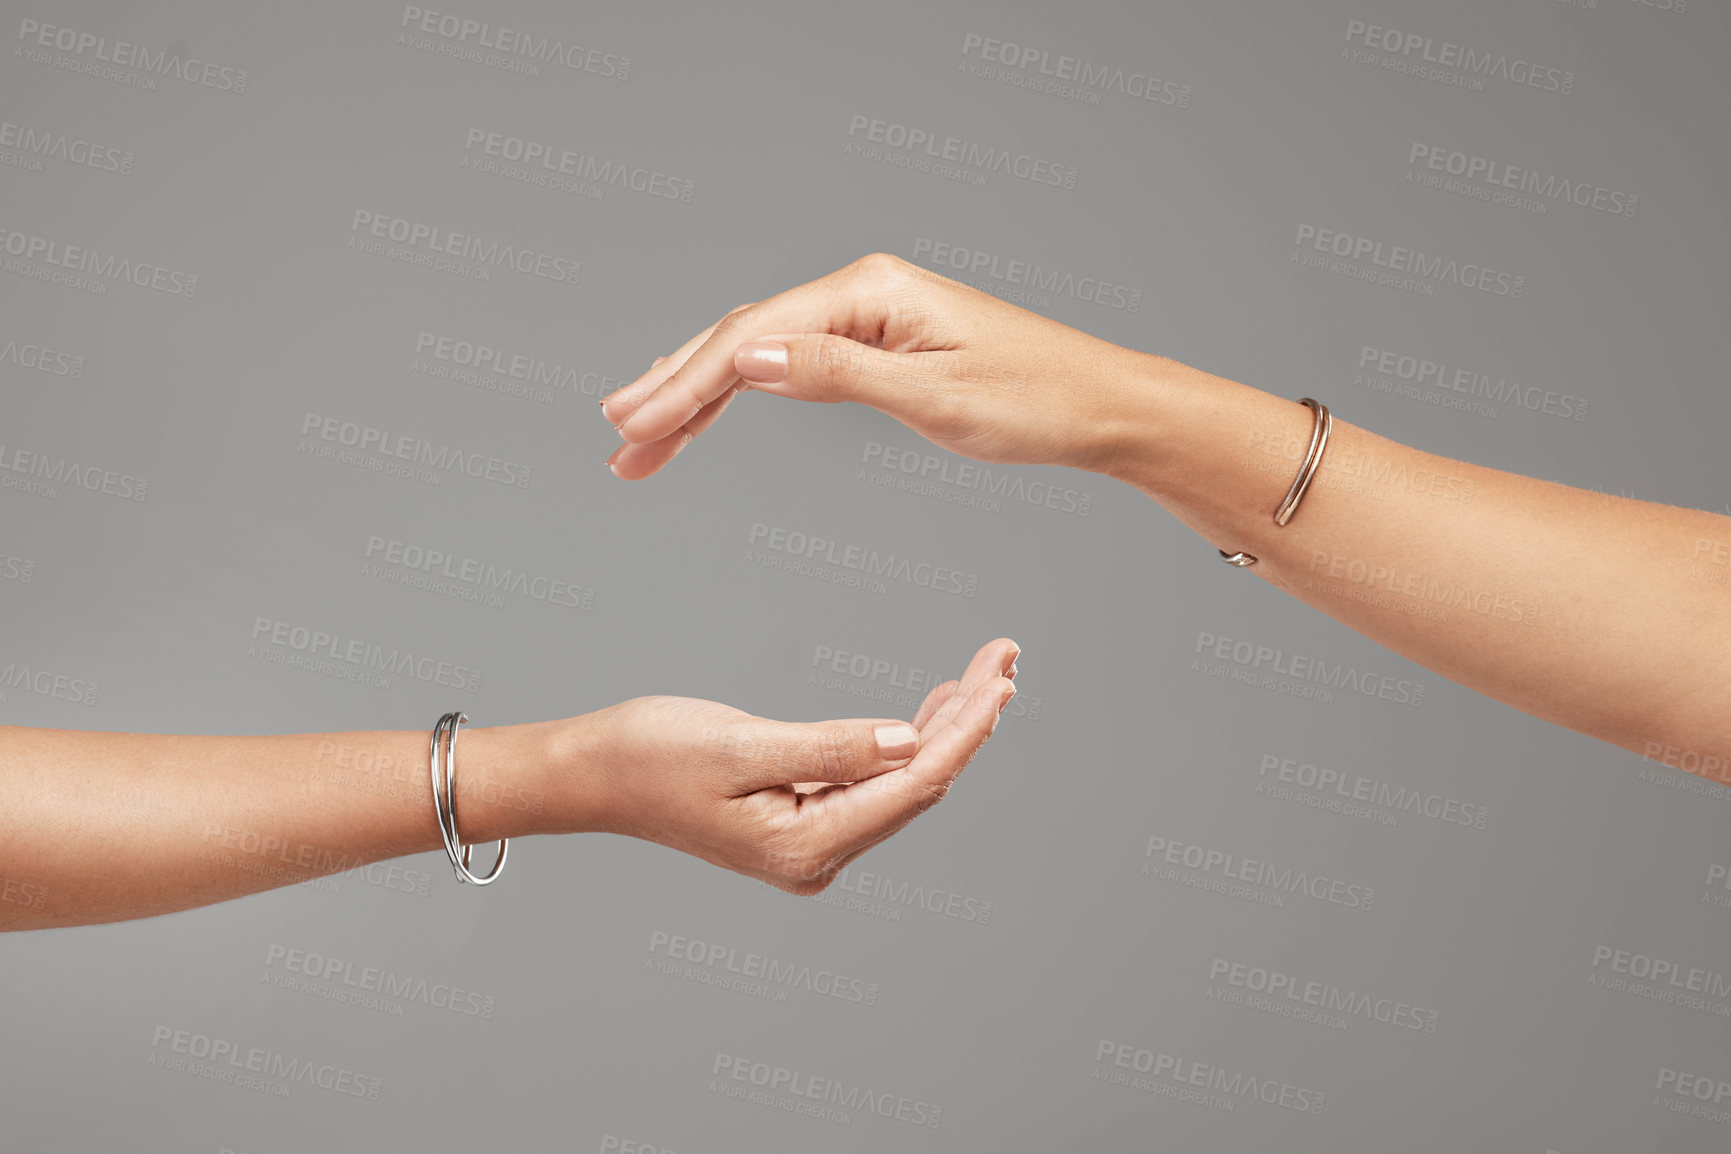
[[1024, 969]]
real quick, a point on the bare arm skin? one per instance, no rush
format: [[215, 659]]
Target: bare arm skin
[[1607, 615], [99, 827]]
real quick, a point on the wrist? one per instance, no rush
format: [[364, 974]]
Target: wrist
[[1143, 416], [529, 778], [1217, 454]]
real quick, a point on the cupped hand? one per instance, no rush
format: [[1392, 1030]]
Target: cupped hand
[[789, 803], [969, 372]]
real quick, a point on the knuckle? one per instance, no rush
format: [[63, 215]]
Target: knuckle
[[737, 318], [832, 752], [837, 358], [880, 265]]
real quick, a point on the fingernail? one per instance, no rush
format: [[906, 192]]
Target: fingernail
[[764, 362], [1011, 671], [656, 361], [1007, 698], [896, 742], [611, 456]]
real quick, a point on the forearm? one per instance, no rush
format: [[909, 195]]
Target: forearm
[[1595, 612], [106, 826]]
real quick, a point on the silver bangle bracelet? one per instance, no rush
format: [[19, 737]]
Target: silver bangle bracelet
[[1319, 431], [445, 801]]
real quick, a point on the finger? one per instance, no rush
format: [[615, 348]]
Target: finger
[[623, 401], [811, 755], [995, 658], [815, 366], [934, 699], [855, 816], [852, 302], [635, 462], [778, 753]]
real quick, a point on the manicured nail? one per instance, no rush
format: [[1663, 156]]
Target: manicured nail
[[1007, 698], [656, 361], [762, 362], [896, 742]]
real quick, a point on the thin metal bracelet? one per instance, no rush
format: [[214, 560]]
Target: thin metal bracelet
[[1319, 431], [445, 801]]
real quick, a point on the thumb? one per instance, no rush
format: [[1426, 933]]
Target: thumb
[[786, 752], [821, 367]]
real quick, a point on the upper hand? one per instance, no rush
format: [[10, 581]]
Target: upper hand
[[969, 372]]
